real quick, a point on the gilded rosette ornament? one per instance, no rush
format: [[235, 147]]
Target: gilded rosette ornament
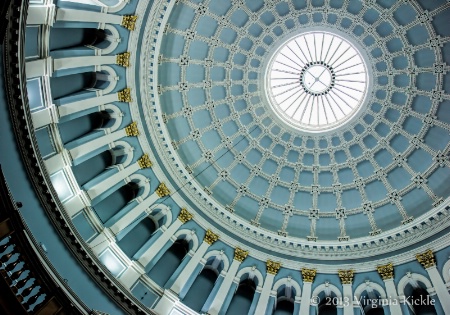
[[240, 254], [132, 130], [185, 215], [123, 59], [162, 190], [273, 267], [144, 161], [124, 95], [210, 237], [426, 259], [129, 22], [346, 276], [386, 271], [308, 274]]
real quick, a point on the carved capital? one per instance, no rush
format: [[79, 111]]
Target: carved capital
[[144, 161], [162, 190], [386, 271], [426, 259], [123, 59], [210, 237], [308, 274], [129, 22], [273, 267], [185, 215], [240, 254], [125, 95], [346, 276], [132, 130]]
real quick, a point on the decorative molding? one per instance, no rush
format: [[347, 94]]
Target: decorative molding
[[129, 22], [240, 254], [426, 259], [162, 190], [132, 130], [125, 95], [386, 271], [144, 161], [346, 276], [308, 274], [185, 215], [123, 59], [210, 237], [273, 266]]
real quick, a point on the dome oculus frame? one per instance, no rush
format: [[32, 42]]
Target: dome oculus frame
[[317, 81]]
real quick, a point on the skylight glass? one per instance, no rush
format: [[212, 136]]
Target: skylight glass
[[317, 81]]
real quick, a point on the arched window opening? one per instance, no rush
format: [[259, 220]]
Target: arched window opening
[[137, 237], [111, 205], [79, 127], [92, 167], [417, 301], [328, 303], [243, 298], [72, 84], [201, 288], [370, 302], [285, 300], [169, 262], [66, 38]]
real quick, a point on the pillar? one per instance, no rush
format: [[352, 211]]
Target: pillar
[[41, 14], [219, 299], [428, 262], [387, 274], [188, 270], [272, 270], [346, 277], [308, 278], [100, 188], [75, 107], [107, 139], [39, 67], [64, 14], [136, 212], [157, 246]]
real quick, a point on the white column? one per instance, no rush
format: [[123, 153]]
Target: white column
[[41, 15], [133, 214], [224, 288], [347, 299], [58, 162], [130, 276], [45, 117], [306, 298], [391, 291], [109, 182], [102, 241], [189, 269], [166, 303], [39, 67], [265, 294], [157, 246], [74, 205], [79, 106], [83, 61], [90, 146], [441, 289], [64, 14]]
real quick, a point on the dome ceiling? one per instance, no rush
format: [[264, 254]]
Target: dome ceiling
[[381, 170]]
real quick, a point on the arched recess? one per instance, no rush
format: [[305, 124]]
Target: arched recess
[[69, 38], [370, 296], [329, 297], [112, 204], [288, 291], [169, 261], [213, 264], [72, 84], [417, 288], [249, 280], [142, 231], [76, 128]]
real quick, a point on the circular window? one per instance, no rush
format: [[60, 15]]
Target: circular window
[[316, 81]]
